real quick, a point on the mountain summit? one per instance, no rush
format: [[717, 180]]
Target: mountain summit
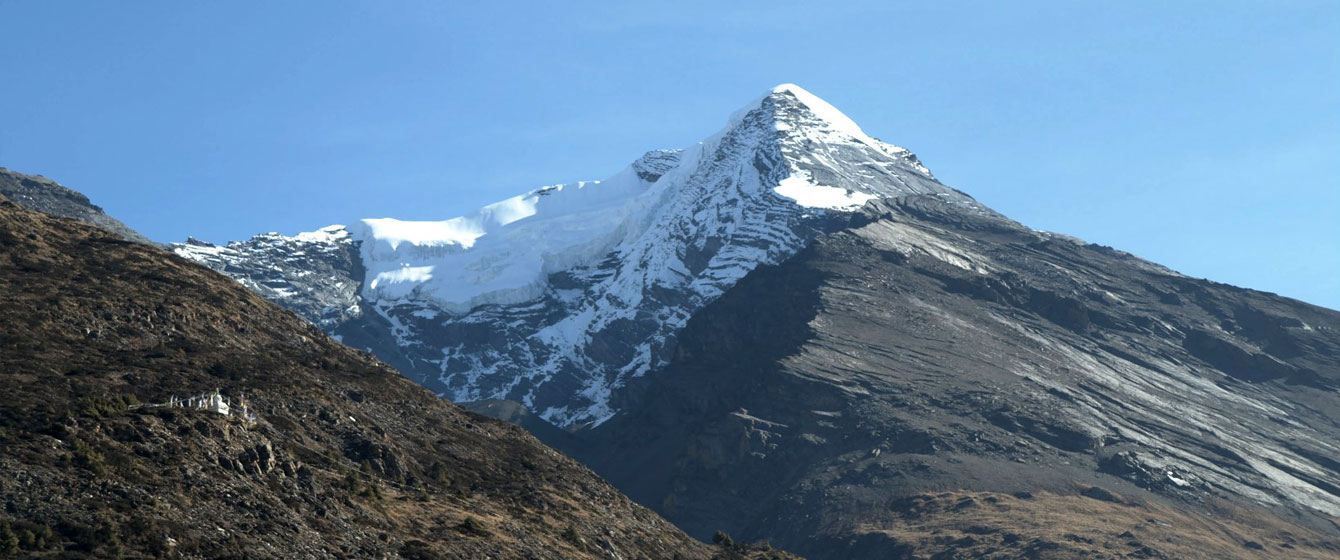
[[558, 297]]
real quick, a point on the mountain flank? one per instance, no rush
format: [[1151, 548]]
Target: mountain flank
[[934, 380], [334, 454]]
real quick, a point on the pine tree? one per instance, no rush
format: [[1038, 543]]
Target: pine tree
[[9, 542]]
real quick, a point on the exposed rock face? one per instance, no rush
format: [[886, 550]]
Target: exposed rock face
[[39, 193], [927, 347], [344, 459], [317, 274]]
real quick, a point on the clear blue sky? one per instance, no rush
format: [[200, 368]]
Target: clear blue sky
[[1201, 135]]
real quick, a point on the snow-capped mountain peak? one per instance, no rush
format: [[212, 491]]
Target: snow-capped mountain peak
[[834, 120], [558, 296]]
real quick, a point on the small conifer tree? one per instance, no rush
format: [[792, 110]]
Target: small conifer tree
[[9, 542]]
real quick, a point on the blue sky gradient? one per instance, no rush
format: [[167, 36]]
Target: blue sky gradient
[[1201, 135]]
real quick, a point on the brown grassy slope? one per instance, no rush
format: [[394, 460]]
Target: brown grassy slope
[[1046, 525], [346, 459]]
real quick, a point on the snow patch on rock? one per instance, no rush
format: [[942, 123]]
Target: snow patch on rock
[[800, 189]]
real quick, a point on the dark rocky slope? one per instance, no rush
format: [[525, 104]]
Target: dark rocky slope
[[886, 392], [345, 459], [39, 193]]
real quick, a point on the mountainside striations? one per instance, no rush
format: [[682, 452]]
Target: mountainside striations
[[343, 457], [829, 402]]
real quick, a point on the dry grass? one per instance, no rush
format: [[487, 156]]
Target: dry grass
[[1048, 525]]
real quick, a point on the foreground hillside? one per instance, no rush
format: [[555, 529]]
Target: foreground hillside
[[931, 379], [344, 458]]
